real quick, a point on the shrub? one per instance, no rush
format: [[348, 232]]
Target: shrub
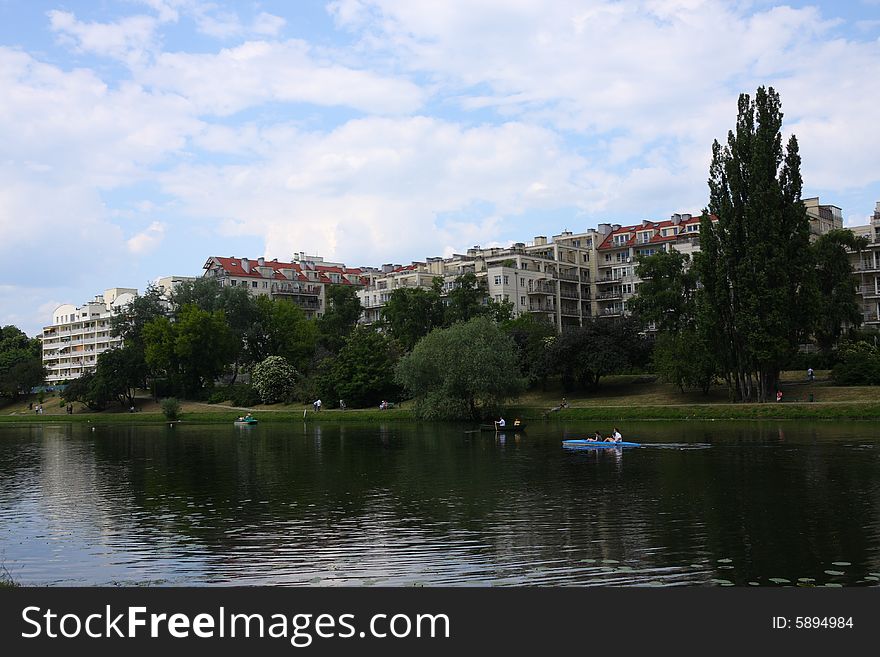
[[859, 365], [170, 408], [274, 379], [243, 394], [218, 396]]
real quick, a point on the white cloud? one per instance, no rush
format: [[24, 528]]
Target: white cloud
[[378, 186], [129, 39], [147, 240], [258, 72]]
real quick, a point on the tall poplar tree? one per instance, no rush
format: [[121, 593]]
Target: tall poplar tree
[[755, 263]]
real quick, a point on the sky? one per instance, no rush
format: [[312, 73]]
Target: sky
[[140, 137]]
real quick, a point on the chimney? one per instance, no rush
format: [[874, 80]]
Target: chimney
[[685, 216], [540, 240], [676, 219], [645, 223], [615, 226], [604, 228], [261, 261], [246, 265]]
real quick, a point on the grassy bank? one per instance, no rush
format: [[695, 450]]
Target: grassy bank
[[618, 398]]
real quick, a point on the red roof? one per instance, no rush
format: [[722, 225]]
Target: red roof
[[233, 267], [633, 231]]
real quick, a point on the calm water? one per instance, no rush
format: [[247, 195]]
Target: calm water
[[702, 503]]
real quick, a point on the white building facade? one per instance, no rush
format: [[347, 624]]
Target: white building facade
[[79, 334]]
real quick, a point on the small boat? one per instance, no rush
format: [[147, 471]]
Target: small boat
[[246, 421], [596, 444], [509, 427]]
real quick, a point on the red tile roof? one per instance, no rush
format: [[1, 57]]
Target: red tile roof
[[233, 267], [632, 231]]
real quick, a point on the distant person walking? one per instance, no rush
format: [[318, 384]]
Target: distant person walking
[[809, 374]]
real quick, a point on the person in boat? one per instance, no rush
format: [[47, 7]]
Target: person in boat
[[597, 437], [240, 419], [516, 422], [500, 423], [248, 417], [614, 437]]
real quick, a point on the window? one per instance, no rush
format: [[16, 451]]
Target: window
[[607, 257], [522, 301], [265, 284], [645, 237], [497, 280], [506, 280], [253, 284], [234, 282], [522, 282]]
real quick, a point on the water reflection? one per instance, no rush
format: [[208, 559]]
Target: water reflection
[[703, 503]]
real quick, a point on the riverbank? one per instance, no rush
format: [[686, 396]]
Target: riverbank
[[619, 398]]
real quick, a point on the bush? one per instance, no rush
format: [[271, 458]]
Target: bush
[[243, 394], [274, 379], [170, 408], [218, 396], [859, 365]]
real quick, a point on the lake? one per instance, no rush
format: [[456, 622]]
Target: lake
[[701, 503]]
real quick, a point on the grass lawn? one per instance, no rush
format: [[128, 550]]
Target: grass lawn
[[623, 397]]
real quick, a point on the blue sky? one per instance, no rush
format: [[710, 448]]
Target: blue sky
[[140, 137]]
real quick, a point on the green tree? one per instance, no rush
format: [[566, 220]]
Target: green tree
[[119, 372], [837, 303], [755, 264], [340, 316], [274, 379], [191, 351], [411, 313], [666, 295], [464, 371], [683, 358], [130, 321], [532, 335], [90, 390], [280, 328], [465, 301], [362, 374], [583, 355], [21, 366], [238, 306]]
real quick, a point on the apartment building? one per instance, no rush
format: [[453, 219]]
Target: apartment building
[[823, 218], [79, 334], [302, 281], [866, 269]]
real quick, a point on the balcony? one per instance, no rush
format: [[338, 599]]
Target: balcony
[[866, 266], [607, 296], [869, 291], [569, 294], [570, 311], [604, 280], [541, 308], [568, 276], [295, 289], [871, 318], [543, 288]]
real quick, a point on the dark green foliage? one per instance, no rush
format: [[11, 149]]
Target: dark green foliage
[[237, 305], [362, 374], [90, 390], [583, 355], [666, 295], [465, 371], [684, 359], [21, 366], [242, 394], [755, 263], [532, 335], [119, 372], [837, 302], [340, 316], [858, 365], [170, 408], [411, 313], [191, 351], [280, 328], [465, 301]]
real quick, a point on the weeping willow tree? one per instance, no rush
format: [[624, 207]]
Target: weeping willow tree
[[755, 264]]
